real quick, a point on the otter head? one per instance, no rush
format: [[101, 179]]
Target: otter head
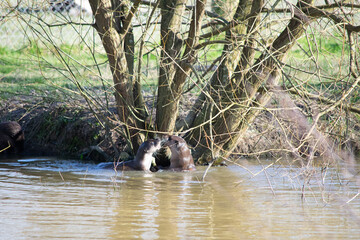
[[150, 146], [11, 135], [181, 158], [175, 143], [144, 154]]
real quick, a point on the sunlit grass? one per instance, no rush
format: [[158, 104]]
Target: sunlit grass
[[34, 69]]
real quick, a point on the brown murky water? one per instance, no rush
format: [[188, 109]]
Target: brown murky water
[[56, 199]]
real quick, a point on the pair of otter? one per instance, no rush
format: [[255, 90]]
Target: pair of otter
[[181, 159], [12, 140], [11, 137]]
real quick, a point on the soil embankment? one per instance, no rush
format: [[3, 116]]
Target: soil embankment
[[60, 129]]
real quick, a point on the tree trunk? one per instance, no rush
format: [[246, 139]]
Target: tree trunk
[[171, 43], [200, 112], [239, 100], [110, 23], [171, 80]]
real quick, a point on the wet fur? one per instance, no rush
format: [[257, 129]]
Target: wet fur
[[142, 161], [11, 134], [181, 158]]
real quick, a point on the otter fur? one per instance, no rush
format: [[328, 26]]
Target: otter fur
[[181, 158], [142, 161], [11, 137]]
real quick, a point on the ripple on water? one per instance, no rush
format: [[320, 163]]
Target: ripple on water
[[47, 198]]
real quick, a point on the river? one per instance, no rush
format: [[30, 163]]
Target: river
[[46, 198]]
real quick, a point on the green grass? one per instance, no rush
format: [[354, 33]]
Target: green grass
[[323, 60], [325, 45], [38, 70], [33, 70]]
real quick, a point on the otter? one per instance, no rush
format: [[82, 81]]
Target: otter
[[181, 159], [11, 137], [142, 161]]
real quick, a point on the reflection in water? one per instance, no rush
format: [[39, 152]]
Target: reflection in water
[[172, 205], [47, 198]]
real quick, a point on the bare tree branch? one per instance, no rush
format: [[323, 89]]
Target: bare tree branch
[[317, 13], [128, 19], [322, 99]]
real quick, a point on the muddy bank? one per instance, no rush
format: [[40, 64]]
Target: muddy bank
[[58, 129]]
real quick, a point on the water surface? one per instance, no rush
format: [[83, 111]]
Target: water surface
[[55, 199]]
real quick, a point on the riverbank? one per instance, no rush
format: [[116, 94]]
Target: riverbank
[[58, 129], [72, 130]]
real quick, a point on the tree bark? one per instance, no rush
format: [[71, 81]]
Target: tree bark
[[230, 55], [240, 98], [171, 43], [171, 80], [109, 23]]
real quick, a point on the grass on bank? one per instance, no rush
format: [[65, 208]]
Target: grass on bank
[[34, 70], [45, 71]]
